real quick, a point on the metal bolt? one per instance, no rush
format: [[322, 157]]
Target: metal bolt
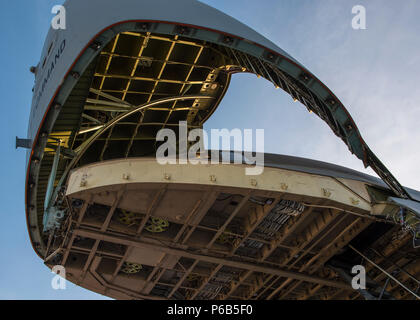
[[354, 201], [75, 75], [83, 182], [96, 45], [331, 101], [228, 40], [326, 192]]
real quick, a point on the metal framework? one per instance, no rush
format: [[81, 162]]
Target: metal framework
[[205, 260], [194, 262], [144, 70]]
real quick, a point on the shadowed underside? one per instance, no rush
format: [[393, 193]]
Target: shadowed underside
[[140, 230]]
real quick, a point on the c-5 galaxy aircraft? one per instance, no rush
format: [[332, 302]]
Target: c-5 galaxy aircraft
[[125, 226]]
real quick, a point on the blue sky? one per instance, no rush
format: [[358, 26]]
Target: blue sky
[[374, 72]]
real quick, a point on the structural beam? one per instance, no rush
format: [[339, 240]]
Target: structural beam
[[212, 259]]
